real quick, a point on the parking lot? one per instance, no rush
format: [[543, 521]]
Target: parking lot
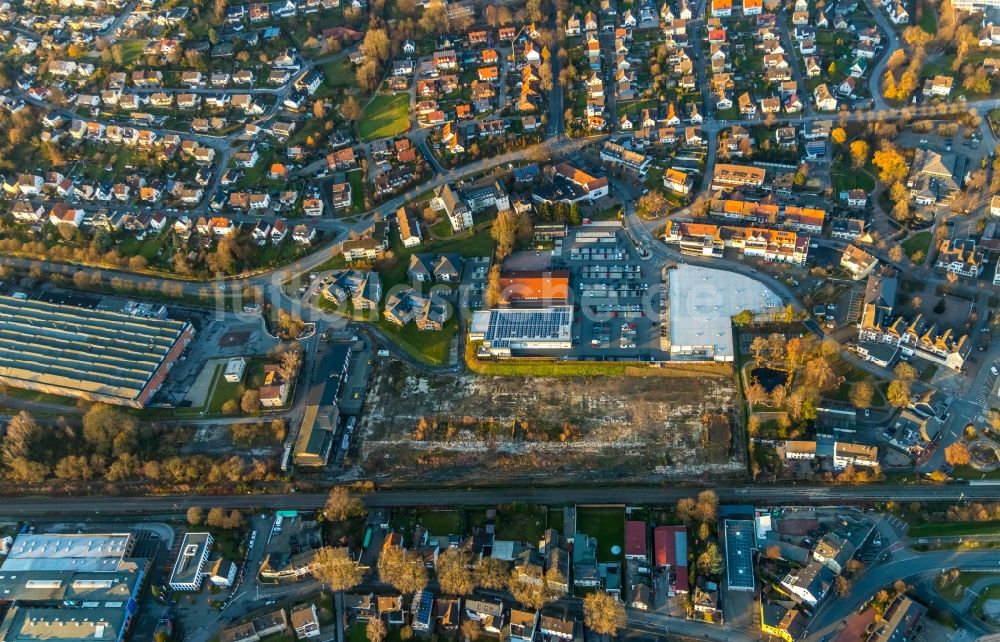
[[617, 297]]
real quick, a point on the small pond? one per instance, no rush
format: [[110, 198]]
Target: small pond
[[769, 378]]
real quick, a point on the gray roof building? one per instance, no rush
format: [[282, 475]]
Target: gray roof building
[[97, 355]]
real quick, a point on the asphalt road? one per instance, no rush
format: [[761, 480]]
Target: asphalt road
[[906, 565], [825, 495]]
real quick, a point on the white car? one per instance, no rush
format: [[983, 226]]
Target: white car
[[994, 370]]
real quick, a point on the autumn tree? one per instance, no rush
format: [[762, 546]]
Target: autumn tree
[[219, 518], [758, 347], [397, 569], [195, 515], [957, 454], [335, 568], [491, 573], [756, 394], [471, 629], [862, 394], [367, 75], [503, 232], [838, 135], [350, 109], [686, 509], [250, 402], [376, 629], [109, 431], [22, 431], [819, 373], [710, 560], [290, 324], [603, 614], [859, 154], [652, 203], [898, 393], [376, 45], [706, 508], [528, 586], [453, 572], [892, 166], [491, 297], [341, 505]]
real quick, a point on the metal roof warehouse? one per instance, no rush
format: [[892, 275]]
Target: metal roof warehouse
[[80, 352]]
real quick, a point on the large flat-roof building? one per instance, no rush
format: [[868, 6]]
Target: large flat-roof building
[[81, 586], [319, 424], [505, 332], [38, 624], [189, 568], [702, 304], [78, 552], [97, 355], [739, 554]]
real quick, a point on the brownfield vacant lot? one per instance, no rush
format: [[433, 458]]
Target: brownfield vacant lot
[[468, 428]]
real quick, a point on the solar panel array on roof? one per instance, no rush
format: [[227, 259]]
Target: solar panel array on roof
[[423, 602], [739, 554], [508, 325]]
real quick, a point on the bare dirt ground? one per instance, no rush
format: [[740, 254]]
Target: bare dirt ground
[[473, 429]]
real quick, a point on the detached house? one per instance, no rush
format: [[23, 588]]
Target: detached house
[[409, 228], [823, 99]]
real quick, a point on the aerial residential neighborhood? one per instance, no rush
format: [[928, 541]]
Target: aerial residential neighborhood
[[533, 321]]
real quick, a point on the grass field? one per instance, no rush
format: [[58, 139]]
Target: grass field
[[357, 181], [222, 392], [522, 522], [945, 529], [429, 347], [132, 50], [608, 526], [928, 20], [918, 242], [953, 591], [385, 116]]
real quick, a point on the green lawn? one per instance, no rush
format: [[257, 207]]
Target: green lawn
[[427, 346], [946, 529], [357, 180], [132, 50], [608, 526], [918, 242], [521, 522], [991, 592], [845, 177], [385, 116], [955, 591], [437, 522], [223, 391], [148, 248], [928, 20]]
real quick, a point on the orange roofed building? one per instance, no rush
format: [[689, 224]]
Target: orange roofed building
[[532, 288]]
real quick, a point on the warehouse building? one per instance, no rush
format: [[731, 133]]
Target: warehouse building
[[97, 355], [81, 586], [319, 424]]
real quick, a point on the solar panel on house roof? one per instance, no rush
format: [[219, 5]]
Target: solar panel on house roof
[[739, 554]]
